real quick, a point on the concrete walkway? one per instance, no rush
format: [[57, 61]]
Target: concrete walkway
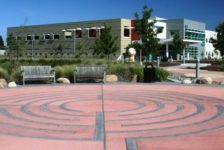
[[112, 117], [217, 76]]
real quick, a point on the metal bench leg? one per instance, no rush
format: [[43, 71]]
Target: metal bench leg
[[74, 78]]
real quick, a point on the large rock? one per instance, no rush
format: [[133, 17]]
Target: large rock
[[63, 81], [187, 81], [222, 83], [111, 78], [12, 85], [204, 80], [3, 83]]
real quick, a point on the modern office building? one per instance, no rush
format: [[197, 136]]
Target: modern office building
[[46, 39]]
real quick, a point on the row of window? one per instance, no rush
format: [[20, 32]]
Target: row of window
[[195, 36], [193, 30], [192, 50], [92, 33]]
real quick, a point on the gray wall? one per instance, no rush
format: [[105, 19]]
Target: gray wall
[[48, 46]]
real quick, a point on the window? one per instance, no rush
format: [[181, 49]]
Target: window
[[36, 37], [47, 36], [126, 32], [92, 33], [29, 37], [78, 33], [68, 35], [56, 36]]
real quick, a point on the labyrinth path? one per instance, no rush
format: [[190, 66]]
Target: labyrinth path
[[112, 117]]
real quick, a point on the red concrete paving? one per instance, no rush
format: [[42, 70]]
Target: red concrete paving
[[112, 117]]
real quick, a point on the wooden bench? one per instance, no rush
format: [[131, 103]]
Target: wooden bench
[[37, 73], [89, 72]]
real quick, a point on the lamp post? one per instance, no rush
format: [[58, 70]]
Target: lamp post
[[74, 34], [32, 40]]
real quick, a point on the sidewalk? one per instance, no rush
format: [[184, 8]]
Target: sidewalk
[[217, 76]]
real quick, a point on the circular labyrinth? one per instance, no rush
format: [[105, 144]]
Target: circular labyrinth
[[73, 114], [65, 115], [154, 114]]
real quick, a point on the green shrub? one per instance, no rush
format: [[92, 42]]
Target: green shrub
[[58, 72], [4, 74], [66, 71], [125, 72], [16, 75], [69, 72], [161, 74]]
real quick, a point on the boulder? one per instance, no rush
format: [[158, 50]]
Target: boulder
[[111, 78], [12, 84], [187, 81], [3, 83], [204, 80], [222, 83], [63, 81]]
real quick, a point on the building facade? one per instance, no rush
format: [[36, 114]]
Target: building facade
[[66, 37], [49, 39]]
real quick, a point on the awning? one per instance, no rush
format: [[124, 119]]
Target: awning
[[170, 41]]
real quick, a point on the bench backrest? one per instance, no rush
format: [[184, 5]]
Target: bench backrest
[[36, 70], [87, 71]]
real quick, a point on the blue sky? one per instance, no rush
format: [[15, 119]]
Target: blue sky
[[16, 12]]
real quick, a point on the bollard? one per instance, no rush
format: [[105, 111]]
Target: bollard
[[158, 61], [198, 68]]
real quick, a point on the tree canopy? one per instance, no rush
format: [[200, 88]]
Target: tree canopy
[[15, 45], [145, 28], [177, 45], [1, 43], [106, 44], [218, 43]]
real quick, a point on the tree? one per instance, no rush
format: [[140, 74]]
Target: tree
[[59, 50], [1, 43], [15, 45], [80, 46], [218, 43], [14, 49], [106, 44], [177, 45], [146, 31]]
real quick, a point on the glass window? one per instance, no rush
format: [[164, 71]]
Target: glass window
[[29, 37], [68, 35], [56, 36], [36, 37], [126, 32], [78, 33], [92, 33], [47, 37]]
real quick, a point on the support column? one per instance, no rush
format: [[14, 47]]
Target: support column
[[198, 68], [167, 50]]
